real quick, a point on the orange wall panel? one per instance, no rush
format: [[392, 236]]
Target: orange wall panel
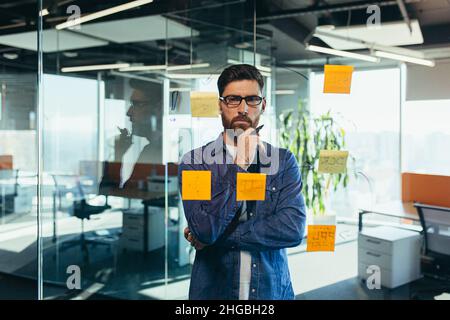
[[426, 188]]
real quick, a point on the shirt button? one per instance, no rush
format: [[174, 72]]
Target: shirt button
[[253, 290], [254, 265], [233, 247], [273, 188], [251, 214]]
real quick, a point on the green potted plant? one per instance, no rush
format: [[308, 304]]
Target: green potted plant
[[305, 135]]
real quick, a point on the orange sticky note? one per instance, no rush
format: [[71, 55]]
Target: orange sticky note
[[196, 185], [321, 238], [338, 79], [251, 186]]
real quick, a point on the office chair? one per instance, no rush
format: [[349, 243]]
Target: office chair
[[435, 260], [82, 210]]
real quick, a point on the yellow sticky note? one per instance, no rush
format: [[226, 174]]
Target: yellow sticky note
[[251, 186], [321, 238], [204, 104], [196, 185], [338, 79], [333, 161]]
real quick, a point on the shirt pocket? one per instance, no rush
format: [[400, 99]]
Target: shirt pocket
[[272, 194]]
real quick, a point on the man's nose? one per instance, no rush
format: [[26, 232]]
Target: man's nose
[[130, 111], [243, 107]]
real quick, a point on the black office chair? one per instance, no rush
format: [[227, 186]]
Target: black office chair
[[82, 210], [435, 260], [435, 222]]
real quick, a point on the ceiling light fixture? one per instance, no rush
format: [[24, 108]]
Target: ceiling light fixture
[[263, 68], [43, 12], [188, 66], [70, 54], [164, 67], [284, 92], [243, 45], [184, 89], [341, 53], [10, 56], [15, 25], [190, 76], [102, 13], [95, 67], [404, 58], [144, 68], [232, 61]]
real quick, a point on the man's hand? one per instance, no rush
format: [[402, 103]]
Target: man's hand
[[194, 242], [122, 143], [247, 144]]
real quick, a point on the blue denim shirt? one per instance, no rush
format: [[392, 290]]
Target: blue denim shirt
[[277, 222]]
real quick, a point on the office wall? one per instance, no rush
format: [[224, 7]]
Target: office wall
[[425, 83]]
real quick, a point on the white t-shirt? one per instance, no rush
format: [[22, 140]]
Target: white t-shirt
[[245, 273]]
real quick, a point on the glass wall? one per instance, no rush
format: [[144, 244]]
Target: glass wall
[[116, 121], [90, 151], [370, 117], [18, 148]]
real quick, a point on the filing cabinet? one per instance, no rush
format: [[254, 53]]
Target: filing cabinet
[[133, 232], [395, 251]]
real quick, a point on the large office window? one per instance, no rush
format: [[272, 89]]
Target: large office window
[[370, 117], [427, 137], [70, 122]]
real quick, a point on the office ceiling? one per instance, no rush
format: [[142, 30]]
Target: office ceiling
[[137, 35]]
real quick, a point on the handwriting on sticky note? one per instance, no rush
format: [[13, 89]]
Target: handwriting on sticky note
[[204, 104], [333, 161], [321, 238], [338, 79], [251, 186], [196, 185]]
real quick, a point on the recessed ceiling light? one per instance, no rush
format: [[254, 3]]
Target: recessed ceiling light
[[70, 54], [10, 56]]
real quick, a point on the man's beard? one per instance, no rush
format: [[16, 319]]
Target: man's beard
[[241, 121]]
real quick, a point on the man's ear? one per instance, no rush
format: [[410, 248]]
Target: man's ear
[[263, 108], [220, 106]]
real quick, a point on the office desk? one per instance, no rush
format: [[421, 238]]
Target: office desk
[[16, 193], [131, 193], [395, 209]]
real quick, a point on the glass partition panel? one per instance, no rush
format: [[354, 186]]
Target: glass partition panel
[[18, 149], [117, 118]]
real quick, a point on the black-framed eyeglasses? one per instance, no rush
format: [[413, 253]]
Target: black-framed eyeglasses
[[234, 101], [139, 104]]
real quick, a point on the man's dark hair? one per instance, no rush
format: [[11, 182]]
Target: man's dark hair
[[239, 72], [152, 91]]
